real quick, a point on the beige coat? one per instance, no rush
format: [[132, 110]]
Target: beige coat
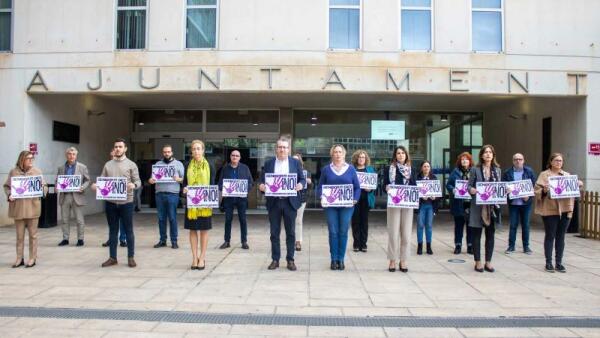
[[544, 205], [79, 197], [27, 207]]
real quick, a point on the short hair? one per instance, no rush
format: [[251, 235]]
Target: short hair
[[482, 150], [299, 156], [403, 148], [336, 146], [357, 154], [119, 139], [167, 146], [460, 157], [22, 157], [285, 138], [71, 150], [552, 157], [197, 142]]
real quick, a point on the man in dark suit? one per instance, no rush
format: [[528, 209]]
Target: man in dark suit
[[285, 207]]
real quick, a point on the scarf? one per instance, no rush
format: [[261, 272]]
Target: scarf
[[198, 173], [487, 211], [403, 169], [465, 173]]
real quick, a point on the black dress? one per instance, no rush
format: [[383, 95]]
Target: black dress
[[200, 223]]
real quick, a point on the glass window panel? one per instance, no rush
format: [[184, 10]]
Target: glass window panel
[[4, 4], [128, 3], [201, 28], [5, 31], [416, 3], [344, 28], [131, 29], [202, 2], [242, 121], [416, 30], [487, 31], [477, 135], [487, 4], [344, 2]]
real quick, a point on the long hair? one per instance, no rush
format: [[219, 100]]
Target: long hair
[[552, 157], [403, 148], [482, 150], [357, 154], [421, 169], [21, 159], [299, 156], [460, 157]]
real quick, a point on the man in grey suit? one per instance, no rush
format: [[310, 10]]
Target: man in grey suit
[[73, 201]]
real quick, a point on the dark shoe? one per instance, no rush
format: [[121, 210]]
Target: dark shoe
[[527, 251], [356, 249], [429, 251], [105, 244], [509, 250], [334, 265], [160, 244], [245, 246], [341, 265], [419, 248], [131, 262], [274, 265], [109, 262], [478, 269], [20, 264], [123, 244], [470, 250], [63, 242], [560, 268], [457, 250], [298, 246], [549, 267], [201, 267], [363, 249], [405, 270], [79, 242], [174, 245], [33, 264], [136, 209], [488, 268], [291, 266], [225, 245]]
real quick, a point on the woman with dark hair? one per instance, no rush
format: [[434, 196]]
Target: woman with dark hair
[[360, 217], [556, 213], [428, 207], [25, 211], [399, 220], [460, 207], [484, 216]]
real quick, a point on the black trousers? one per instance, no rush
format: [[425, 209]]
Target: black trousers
[[489, 242], [360, 222], [555, 227], [282, 209]]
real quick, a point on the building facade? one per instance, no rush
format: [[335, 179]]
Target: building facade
[[440, 76]]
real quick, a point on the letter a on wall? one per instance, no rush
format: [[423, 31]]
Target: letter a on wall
[[37, 80]]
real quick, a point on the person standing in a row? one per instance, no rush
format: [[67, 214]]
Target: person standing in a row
[[235, 170], [300, 213], [484, 216], [25, 211], [73, 201], [556, 213], [399, 220], [360, 217], [338, 218], [428, 207], [121, 212], [460, 207]]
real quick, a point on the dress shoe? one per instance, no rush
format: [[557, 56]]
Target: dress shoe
[[334, 265], [160, 244], [429, 251], [298, 246], [560, 268], [291, 266], [109, 262], [30, 265], [245, 246], [549, 267], [488, 268], [21, 263], [356, 249], [79, 242], [457, 250], [131, 262], [341, 265], [123, 244], [105, 244], [136, 209], [478, 269], [364, 248], [63, 242], [274, 265], [174, 245], [509, 250], [470, 250], [225, 245], [419, 248], [527, 251], [405, 270], [392, 268], [201, 267]]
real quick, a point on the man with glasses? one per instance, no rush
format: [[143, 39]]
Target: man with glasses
[[520, 208], [237, 171], [285, 207]]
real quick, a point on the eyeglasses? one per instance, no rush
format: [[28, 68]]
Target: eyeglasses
[[282, 147], [518, 159], [29, 158]]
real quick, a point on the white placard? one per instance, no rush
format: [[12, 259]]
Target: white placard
[[564, 186], [367, 180], [337, 195], [403, 196], [68, 183], [429, 188], [280, 185], [164, 173], [234, 188], [202, 196], [26, 187], [111, 188], [490, 193], [520, 189], [461, 190]]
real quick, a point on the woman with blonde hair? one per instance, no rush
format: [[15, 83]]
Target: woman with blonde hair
[[366, 202], [198, 221], [25, 211]]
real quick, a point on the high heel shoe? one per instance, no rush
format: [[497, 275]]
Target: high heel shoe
[[478, 269], [30, 265], [405, 270], [19, 264], [203, 265], [194, 267]]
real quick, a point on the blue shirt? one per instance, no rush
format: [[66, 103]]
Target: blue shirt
[[518, 175], [70, 168], [348, 177]]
